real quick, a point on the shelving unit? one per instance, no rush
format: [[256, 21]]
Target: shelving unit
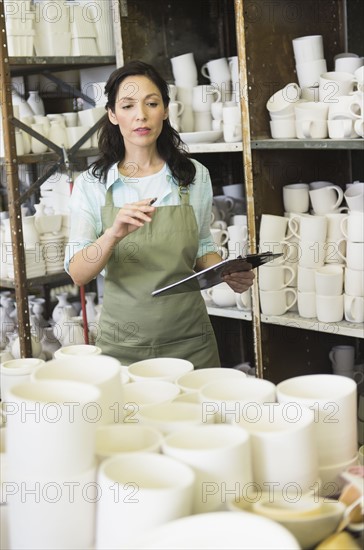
[[260, 32], [24, 66]]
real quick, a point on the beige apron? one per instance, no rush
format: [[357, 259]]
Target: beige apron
[[135, 325]]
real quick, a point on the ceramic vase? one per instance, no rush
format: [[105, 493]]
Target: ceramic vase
[[68, 329], [62, 302], [36, 103]]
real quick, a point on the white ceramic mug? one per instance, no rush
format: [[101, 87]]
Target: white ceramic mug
[[355, 255], [311, 129], [308, 48], [330, 309], [312, 253], [325, 199], [203, 96], [277, 302], [306, 303], [296, 197], [306, 278], [354, 308], [354, 197], [308, 228], [329, 280], [334, 84], [220, 236], [284, 128], [359, 127], [354, 282], [222, 295], [275, 277], [340, 129], [309, 72], [273, 228], [342, 358], [243, 300], [232, 132], [184, 69], [352, 227], [282, 102]]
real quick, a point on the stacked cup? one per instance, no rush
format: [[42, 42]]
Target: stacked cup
[[343, 359], [353, 228], [50, 441], [281, 110], [345, 117], [334, 402], [202, 99], [217, 71], [276, 297], [186, 78], [310, 61]]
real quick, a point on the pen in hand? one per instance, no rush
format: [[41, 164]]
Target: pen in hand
[[152, 201]]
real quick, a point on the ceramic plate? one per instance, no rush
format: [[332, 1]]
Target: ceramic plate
[[201, 137], [220, 530]]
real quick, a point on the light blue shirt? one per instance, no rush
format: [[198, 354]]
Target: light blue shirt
[[88, 197]]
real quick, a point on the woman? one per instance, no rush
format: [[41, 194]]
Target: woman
[[142, 247]]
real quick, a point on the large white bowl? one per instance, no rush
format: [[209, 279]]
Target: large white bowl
[[308, 529], [159, 368], [193, 381], [219, 530]]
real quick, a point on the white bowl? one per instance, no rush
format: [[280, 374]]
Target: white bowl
[[168, 417], [308, 529], [219, 530], [159, 368], [193, 381]]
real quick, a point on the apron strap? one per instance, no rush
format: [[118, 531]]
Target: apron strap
[[184, 195], [108, 199]]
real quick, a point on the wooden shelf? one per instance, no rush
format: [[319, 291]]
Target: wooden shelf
[[61, 278], [229, 312], [293, 320], [320, 144], [31, 65], [32, 158], [218, 147]]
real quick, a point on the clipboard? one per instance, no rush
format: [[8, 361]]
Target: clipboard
[[213, 275]]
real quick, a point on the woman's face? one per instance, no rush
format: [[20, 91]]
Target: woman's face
[[139, 111]]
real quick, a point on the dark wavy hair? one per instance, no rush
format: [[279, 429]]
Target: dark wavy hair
[[111, 142]]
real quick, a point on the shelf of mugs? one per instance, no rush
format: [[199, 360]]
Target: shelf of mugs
[[268, 143], [217, 147], [230, 312], [293, 320], [23, 65], [33, 158], [55, 278]]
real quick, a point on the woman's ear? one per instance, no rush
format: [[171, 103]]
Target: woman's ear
[[166, 113], [112, 117]]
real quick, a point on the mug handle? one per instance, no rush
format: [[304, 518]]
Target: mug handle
[[338, 249], [349, 311], [181, 108], [306, 129], [293, 226], [205, 71], [344, 226], [225, 237], [294, 292], [230, 202], [340, 197], [353, 112], [332, 356], [292, 272]]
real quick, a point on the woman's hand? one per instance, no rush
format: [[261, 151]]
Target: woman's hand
[[240, 281], [130, 217]]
